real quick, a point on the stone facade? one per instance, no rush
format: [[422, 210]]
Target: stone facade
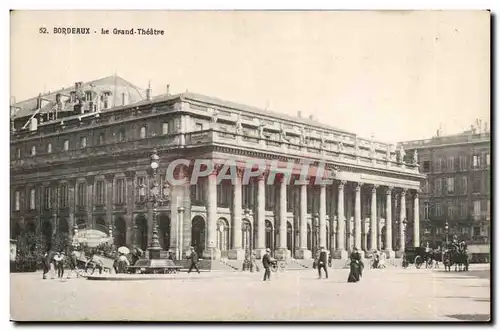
[[95, 174], [458, 189]]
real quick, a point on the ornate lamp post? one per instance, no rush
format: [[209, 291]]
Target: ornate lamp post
[[316, 234], [405, 223], [154, 248], [446, 231]]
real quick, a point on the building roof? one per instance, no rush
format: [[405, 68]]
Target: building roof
[[470, 136], [114, 84]]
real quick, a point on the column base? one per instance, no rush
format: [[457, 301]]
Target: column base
[[282, 253], [259, 253], [389, 254], [399, 254], [340, 254], [211, 254], [303, 254], [236, 254]]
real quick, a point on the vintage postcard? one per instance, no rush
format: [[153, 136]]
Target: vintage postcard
[[250, 166]]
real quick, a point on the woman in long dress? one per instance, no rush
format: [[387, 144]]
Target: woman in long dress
[[356, 267]]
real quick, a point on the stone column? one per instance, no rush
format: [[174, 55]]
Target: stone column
[[237, 252], [180, 222], [130, 198], [416, 221], [322, 216], [110, 200], [303, 252], [211, 250], [341, 252], [357, 218], [261, 216], [282, 251], [373, 219], [72, 202], [90, 201], [402, 218]]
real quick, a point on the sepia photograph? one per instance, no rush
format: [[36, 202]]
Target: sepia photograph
[[250, 166]]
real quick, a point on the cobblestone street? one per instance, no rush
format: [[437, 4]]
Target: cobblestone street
[[390, 294]]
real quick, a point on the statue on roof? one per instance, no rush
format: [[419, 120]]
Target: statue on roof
[[239, 126], [214, 117], [388, 153], [340, 146], [283, 133], [261, 130], [372, 149], [302, 135], [415, 157], [402, 153], [322, 141]]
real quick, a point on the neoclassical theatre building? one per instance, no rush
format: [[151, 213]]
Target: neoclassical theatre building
[[80, 158]]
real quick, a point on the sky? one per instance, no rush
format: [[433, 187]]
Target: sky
[[395, 75]]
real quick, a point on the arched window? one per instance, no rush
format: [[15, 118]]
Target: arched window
[[33, 150], [143, 132], [222, 235]]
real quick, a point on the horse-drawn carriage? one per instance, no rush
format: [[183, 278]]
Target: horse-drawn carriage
[[416, 256]]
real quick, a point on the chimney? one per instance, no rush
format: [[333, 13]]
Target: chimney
[[34, 124], [299, 114], [168, 89], [124, 99], [148, 92], [39, 101]]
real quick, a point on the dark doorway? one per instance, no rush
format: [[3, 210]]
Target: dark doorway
[[198, 234], [15, 229], [100, 225], [81, 225], [63, 226], [289, 237], [269, 235], [164, 232], [383, 239], [46, 233], [142, 232], [309, 237], [120, 232]]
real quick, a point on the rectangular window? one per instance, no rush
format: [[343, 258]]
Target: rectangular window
[[426, 210], [101, 139], [63, 197], [165, 128], [464, 184], [247, 196], [80, 193], [450, 163], [66, 145], [32, 199], [477, 207], [476, 184], [450, 211], [47, 198], [270, 196], [437, 165], [426, 166], [141, 189], [437, 187], [450, 185], [83, 142], [18, 153], [33, 150], [120, 191], [99, 192], [439, 212], [143, 132], [198, 127], [463, 208], [49, 148], [476, 161], [462, 162]]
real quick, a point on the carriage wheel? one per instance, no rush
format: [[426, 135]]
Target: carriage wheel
[[418, 262], [405, 263]]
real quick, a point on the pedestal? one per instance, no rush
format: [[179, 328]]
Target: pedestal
[[259, 253], [340, 254], [390, 254], [154, 253], [211, 254], [304, 254], [236, 254], [282, 253]]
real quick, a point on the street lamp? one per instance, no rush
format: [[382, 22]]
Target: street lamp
[[316, 234], [405, 222], [154, 248], [446, 231]]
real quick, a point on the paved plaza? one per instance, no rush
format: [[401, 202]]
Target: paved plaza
[[392, 294]]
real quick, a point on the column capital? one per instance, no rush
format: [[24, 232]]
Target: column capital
[[374, 188], [240, 171], [403, 192], [388, 190], [90, 179], [416, 193], [263, 175], [342, 184], [358, 186], [109, 177], [130, 173]]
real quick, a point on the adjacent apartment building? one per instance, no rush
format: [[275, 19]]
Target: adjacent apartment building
[[457, 193]]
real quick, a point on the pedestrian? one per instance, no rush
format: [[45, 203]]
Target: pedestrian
[[322, 261], [45, 265], [59, 264], [194, 260], [356, 266], [266, 262]]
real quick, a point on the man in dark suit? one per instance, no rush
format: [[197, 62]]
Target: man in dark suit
[[322, 261], [194, 261], [266, 262]]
